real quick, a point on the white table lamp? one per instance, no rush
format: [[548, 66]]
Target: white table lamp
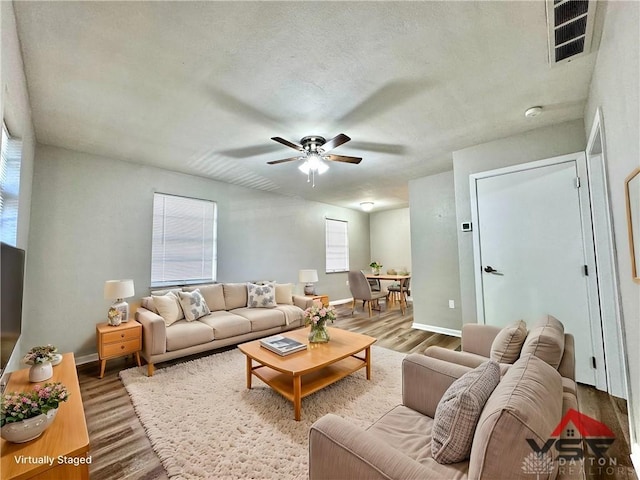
[[117, 290], [308, 277]]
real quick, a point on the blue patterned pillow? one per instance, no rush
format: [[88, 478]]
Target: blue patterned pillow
[[261, 296], [193, 305]]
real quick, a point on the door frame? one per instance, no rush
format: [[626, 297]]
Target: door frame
[[605, 251], [579, 158]]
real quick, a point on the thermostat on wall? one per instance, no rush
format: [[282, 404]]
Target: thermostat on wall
[[465, 226]]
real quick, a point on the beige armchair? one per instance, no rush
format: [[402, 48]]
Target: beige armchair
[[361, 290]]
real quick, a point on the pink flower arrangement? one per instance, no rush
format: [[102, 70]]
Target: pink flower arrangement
[[18, 406], [318, 314]]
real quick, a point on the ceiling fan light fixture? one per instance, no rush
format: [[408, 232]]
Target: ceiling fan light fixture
[[366, 206]]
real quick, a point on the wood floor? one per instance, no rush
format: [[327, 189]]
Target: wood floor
[[121, 450]]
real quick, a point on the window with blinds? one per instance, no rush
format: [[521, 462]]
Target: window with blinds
[[337, 246], [10, 159], [184, 240]]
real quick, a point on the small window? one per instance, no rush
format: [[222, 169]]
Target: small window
[[184, 240], [337, 246], [10, 159]]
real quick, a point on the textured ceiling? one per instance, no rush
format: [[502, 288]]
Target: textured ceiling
[[201, 87]]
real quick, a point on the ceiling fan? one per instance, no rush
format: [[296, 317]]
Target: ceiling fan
[[314, 151]]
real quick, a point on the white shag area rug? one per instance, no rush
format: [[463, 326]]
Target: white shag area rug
[[204, 423]]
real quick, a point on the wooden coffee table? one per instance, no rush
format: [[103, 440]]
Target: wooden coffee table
[[302, 373]]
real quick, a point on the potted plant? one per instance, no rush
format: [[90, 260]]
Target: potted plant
[[375, 267], [317, 316], [25, 415], [40, 358]]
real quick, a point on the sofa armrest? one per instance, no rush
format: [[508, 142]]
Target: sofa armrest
[[461, 358], [154, 333], [424, 381], [567, 367], [339, 449], [302, 301], [477, 338]]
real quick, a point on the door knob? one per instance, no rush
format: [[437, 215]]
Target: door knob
[[490, 269]]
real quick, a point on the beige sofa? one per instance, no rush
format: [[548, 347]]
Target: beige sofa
[[527, 404], [229, 322]]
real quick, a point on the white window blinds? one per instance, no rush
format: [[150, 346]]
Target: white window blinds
[[10, 158], [184, 240], [337, 246]]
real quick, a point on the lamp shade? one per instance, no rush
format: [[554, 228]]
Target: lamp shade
[[115, 289], [308, 276]]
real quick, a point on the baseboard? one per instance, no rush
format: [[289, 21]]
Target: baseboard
[[87, 359], [444, 331], [341, 301]]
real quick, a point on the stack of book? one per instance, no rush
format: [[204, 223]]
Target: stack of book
[[282, 345]]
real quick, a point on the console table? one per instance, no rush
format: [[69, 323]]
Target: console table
[[66, 441]]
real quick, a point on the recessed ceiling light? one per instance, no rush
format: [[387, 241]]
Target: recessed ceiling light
[[366, 206], [533, 112]]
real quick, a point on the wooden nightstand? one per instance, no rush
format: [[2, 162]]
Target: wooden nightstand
[[323, 298], [114, 342]]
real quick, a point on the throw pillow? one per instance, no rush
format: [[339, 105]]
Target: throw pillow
[[193, 305], [457, 414], [168, 307], [284, 293], [545, 342], [508, 343], [261, 296]]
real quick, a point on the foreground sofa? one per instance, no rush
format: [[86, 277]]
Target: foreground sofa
[[233, 319], [527, 403], [534, 375]]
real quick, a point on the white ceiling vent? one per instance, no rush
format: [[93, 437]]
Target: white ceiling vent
[[570, 27]]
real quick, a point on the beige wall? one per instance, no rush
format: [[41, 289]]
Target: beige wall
[[91, 222], [615, 88], [434, 254], [391, 239]]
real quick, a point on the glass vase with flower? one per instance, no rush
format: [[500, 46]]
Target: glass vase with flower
[[317, 317]]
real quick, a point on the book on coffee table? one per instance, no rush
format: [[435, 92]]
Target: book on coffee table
[[282, 345]]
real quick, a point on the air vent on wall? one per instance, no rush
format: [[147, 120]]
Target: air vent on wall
[[570, 27]]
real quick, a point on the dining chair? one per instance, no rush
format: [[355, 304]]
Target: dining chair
[[361, 290], [396, 291]]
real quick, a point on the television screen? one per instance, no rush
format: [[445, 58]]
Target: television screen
[[11, 284]]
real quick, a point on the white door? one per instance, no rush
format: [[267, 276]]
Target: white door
[[530, 251]]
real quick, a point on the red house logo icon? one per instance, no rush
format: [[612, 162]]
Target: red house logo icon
[[581, 433]]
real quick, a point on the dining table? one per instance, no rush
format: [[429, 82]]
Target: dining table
[[401, 279]]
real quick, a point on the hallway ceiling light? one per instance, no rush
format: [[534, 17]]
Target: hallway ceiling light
[[533, 112], [366, 206]]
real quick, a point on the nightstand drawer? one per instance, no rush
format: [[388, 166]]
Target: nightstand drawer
[[121, 335], [121, 348]]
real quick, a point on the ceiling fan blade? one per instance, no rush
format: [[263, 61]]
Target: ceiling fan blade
[[343, 158], [335, 142], [288, 143], [291, 159]]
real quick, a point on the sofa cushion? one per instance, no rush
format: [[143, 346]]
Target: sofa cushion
[[546, 341], [193, 305], [526, 404], [235, 295], [458, 412], [147, 302], [226, 324], [168, 307], [262, 318], [550, 321], [508, 343], [213, 295], [261, 296], [284, 293], [183, 334]]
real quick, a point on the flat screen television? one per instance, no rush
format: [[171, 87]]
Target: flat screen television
[[11, 287]]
